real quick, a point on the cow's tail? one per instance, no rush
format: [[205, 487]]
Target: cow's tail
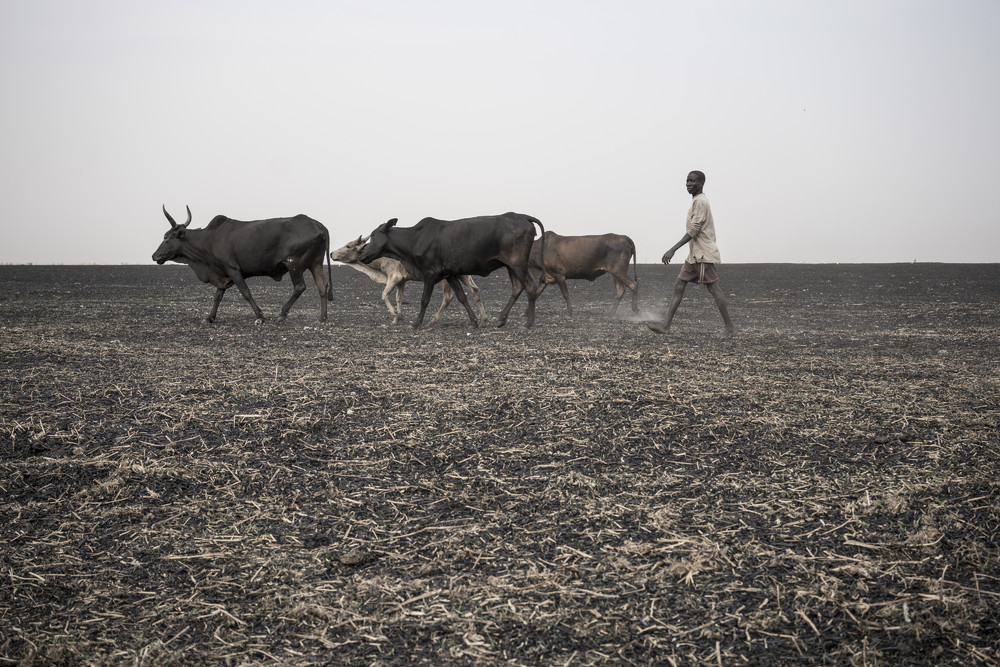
[[541, 254], [329, 270], [635, 270]]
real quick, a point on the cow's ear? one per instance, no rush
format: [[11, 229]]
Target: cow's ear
[[391, 223]]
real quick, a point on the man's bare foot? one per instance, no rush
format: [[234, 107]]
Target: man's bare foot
[[658, 327]]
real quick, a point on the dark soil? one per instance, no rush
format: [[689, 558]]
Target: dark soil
[[821, 489]]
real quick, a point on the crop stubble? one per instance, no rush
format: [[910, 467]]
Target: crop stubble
[[822, 488]]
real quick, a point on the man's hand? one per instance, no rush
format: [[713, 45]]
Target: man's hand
[[669, 255]]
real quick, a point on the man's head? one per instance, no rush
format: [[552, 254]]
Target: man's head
[[695, 182]]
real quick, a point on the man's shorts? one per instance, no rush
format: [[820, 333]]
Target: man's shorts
[[702, 273]]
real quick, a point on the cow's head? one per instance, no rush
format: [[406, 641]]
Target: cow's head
[[377, 241], [349, 253], [173, 241]]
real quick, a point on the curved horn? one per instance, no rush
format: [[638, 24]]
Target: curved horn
[[169, 219], [189, 215]]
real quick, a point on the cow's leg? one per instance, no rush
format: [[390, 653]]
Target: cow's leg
[[219, 293], [298, 289], [516, 287], [241, 285], [561, 281], [541, 285], [399, 302], [532, 288], [619, 293], [472, 288], [322, 286], [396, 310], [456, 286], [425, 299], [446, 295], [633, 287]]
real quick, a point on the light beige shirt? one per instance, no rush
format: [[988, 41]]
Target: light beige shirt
[[701, 229]]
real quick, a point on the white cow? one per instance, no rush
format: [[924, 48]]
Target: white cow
[[391, 273]]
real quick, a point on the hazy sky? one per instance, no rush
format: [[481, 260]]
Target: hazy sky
[[842, 131]]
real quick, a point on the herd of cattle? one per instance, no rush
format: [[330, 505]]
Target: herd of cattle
[[226, 252]]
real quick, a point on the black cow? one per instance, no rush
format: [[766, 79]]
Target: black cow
[[587, 257], [391, 273], [434, 250], [228, 251]]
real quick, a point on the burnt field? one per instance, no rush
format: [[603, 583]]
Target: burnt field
[[821, 489]]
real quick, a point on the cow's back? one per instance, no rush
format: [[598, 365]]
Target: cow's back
[[586, 256], [258, 247], [461, 245]]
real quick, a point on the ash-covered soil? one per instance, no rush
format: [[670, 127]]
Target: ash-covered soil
[[821, 489]]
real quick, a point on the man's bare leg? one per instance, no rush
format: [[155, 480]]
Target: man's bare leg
[[675, 301], [720, 301]]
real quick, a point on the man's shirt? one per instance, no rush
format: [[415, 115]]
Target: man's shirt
[[701, 229]]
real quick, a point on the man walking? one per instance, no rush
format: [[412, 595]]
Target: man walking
[[702, 257]]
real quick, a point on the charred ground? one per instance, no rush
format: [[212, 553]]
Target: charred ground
[[822, 488]]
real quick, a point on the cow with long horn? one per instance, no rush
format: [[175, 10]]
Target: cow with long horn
[[227, 252]]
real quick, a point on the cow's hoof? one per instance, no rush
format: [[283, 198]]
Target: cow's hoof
[[259, 321], [208, 320]]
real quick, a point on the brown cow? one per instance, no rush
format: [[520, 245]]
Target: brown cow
[[391, 273], [587, 257]]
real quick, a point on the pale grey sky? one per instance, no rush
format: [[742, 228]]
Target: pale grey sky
[[848, 131]]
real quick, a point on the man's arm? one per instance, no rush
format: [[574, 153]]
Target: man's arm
[[668, 255]]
